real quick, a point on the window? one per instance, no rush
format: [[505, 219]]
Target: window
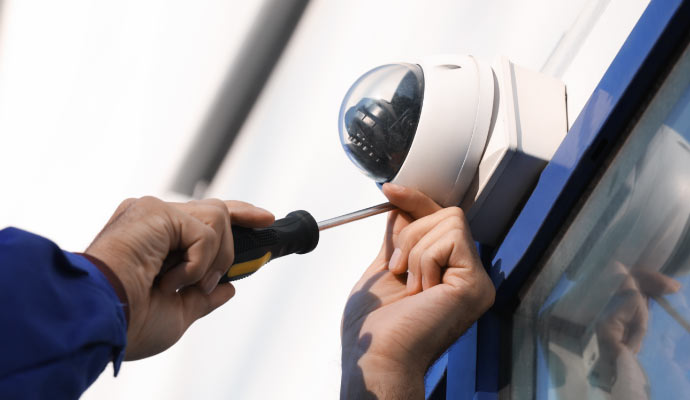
[[592, 277], [607, 316]]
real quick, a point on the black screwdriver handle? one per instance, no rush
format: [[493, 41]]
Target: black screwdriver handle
[[297, 233]]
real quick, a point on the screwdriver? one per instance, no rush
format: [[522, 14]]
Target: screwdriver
[[297, 233]]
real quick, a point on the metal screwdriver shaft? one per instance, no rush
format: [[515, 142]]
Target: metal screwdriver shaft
[[354, 216]]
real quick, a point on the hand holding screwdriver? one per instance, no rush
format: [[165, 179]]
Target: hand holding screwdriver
[[141, 234]]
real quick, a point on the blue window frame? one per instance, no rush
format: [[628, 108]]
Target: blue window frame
[[475, 362]]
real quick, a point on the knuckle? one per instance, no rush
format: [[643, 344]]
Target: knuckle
[[213, 217], [122, 209], [457, 215], [194, 203], [148, 199], [220, 215], [148, 202], [218, 203], [215, 211], [483, 293], [147, 206], [457, 211], [126, 203]]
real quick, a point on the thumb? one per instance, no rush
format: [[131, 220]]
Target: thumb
[[412, 201]]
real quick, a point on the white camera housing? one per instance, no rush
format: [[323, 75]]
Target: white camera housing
[[453, 128], [482, 135]]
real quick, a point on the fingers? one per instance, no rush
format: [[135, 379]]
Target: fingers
[[412, 204], [421, 251], [238, 213], [432, 254], [200, 243], [412, 201], [209, 251], [214, 213], [248, 215], [429, 245], [413, 251], [411, 235]]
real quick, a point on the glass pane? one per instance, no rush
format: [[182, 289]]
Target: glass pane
[[608, 315]]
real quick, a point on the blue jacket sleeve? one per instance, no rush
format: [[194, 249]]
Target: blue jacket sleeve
[[61, 322]]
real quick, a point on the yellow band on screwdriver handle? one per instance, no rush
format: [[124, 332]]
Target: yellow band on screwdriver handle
[[239, 271], [297, 233]]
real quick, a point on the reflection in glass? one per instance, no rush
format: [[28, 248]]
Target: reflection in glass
[[608, 315]]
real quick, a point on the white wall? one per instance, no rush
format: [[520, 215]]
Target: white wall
[[99, 100], [130, 81]]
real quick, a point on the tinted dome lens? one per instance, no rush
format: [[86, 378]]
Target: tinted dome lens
[[379, 117]]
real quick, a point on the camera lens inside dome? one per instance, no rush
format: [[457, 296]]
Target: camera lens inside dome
[[379, 117]]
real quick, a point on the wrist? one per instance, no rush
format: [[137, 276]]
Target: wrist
[[114, 281], [125, 271], [376, 377]]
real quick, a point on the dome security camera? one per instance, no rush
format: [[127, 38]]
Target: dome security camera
[[462, 132]]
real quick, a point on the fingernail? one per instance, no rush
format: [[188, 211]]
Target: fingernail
[[211, 282], [395, 259], [410, 280]]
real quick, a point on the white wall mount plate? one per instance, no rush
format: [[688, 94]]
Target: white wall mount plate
[[530, 121]]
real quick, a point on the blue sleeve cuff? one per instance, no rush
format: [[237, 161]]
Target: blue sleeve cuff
[[62, 320], [81, 263]]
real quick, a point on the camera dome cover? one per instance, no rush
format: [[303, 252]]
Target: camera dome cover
[[379, 116]]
